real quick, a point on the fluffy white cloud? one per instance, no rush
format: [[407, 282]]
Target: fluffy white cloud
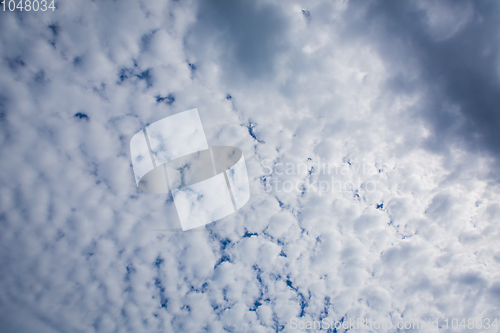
[[373, 180]]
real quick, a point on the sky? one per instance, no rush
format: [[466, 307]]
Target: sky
[[370, 134]]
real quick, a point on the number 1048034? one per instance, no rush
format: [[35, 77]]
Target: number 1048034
[[27, 5]]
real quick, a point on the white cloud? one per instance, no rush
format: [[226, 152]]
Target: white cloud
[[79, 246]]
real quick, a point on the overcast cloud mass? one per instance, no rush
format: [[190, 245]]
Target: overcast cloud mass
[[371, 137]]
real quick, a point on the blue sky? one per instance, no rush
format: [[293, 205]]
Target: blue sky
[[400, 99]]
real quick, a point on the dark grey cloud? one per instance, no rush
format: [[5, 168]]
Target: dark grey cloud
[[457, 65], [249, 35]]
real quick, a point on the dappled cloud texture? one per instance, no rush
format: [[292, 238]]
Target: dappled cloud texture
[[400, 98]]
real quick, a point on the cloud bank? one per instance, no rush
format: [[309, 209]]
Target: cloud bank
[[400, 99]]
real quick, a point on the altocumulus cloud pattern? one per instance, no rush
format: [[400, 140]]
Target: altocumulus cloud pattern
[[369, 131], [174, 151]]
